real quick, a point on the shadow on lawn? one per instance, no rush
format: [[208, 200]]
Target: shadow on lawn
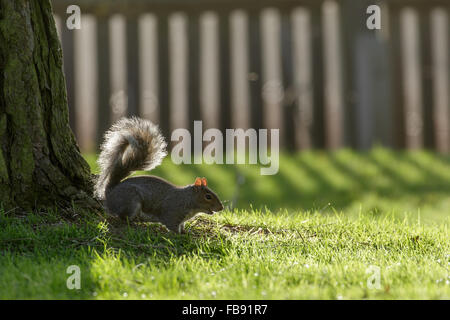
[[301, 183], [314, 180], [308, 181], [155, 240], [30, 245]]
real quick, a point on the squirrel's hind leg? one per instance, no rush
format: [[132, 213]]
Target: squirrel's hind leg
[[132, 210]]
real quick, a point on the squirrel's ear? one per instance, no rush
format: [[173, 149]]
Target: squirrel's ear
[[204, 182], [198, 182]]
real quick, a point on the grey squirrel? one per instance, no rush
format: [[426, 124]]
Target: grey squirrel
[[136, 144]]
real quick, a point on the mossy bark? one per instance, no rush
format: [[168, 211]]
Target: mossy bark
[[40, 163]]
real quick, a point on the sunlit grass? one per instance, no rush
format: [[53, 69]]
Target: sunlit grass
[[310, 232], [379, 180]]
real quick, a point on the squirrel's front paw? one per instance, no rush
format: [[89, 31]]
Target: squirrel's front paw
[[181, 229], [176, 228]]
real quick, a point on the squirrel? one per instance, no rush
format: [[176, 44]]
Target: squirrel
[[136, 144]]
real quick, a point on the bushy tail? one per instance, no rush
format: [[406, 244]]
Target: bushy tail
[[130, 144]]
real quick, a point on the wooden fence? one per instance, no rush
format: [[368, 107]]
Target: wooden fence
[[309, 67]]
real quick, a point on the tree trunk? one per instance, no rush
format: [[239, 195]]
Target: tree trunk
[[40, 163]]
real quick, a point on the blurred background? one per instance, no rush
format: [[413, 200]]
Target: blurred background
[[311, 68]]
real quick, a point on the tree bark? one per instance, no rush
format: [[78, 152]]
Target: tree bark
[[40, 162]]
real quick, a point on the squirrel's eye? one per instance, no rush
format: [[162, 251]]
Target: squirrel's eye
[[208, 196]]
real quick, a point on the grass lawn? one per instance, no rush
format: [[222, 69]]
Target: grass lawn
[[319, 229]]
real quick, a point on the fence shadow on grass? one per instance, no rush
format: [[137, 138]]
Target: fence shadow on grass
[[314, 180]]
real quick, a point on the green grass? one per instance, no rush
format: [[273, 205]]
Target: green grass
[[309, 232]]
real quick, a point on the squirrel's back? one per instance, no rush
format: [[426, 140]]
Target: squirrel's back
[[131, 144], [149, 191]]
